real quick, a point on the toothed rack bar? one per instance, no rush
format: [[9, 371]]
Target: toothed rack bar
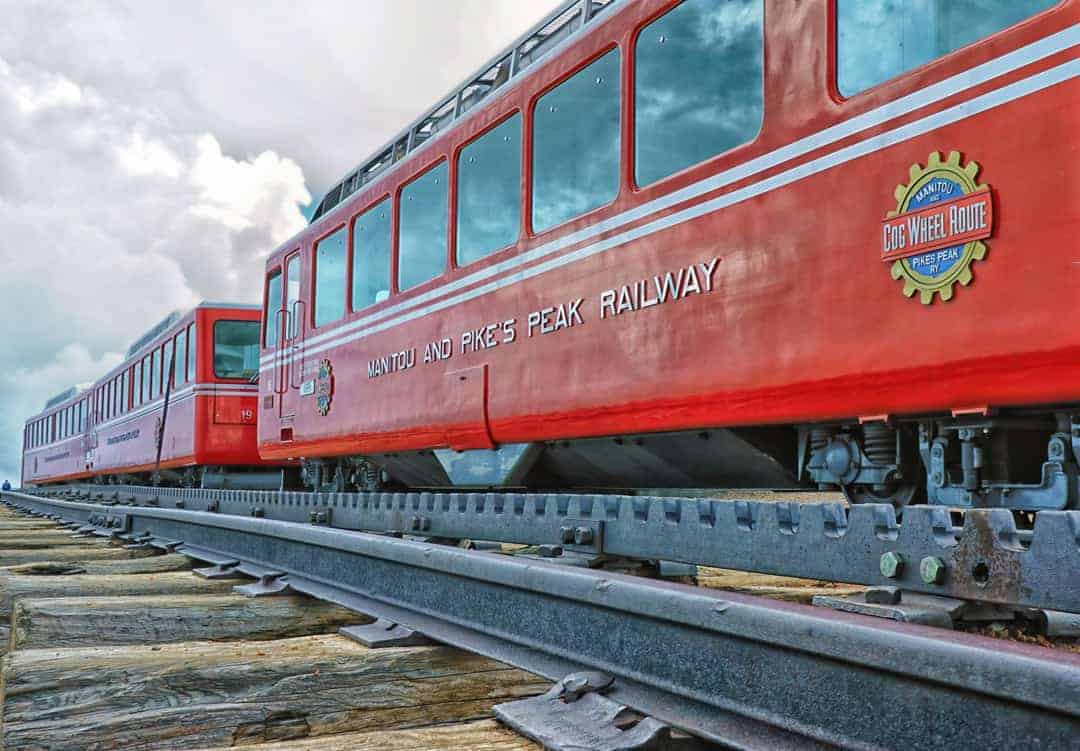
[[976, 554], [745, 672]]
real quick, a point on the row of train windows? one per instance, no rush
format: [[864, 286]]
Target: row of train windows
[[136, 385], [698, 82], [236, 357], [679, 120]]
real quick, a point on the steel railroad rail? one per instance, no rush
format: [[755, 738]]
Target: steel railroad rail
[[978, 554], [744, 672]]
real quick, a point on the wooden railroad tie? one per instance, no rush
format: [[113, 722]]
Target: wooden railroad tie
[[115, 652]]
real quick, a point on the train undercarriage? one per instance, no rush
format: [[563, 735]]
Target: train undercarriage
[[1019, 460]]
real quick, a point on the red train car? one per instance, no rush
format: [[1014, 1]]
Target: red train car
[[191, 373], [699, 243]]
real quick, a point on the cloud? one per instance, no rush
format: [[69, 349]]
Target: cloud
[[112, 216], [151, 153]]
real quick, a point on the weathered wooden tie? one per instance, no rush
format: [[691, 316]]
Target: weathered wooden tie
[[191, 694], [88, 621], [177, 583], [480, 735], [84, 552], [150, 565], [46, 538]]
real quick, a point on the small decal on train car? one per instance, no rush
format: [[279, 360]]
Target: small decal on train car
[[324, 387], [936, 231], [307, 388]]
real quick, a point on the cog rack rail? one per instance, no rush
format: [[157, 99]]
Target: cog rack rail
[[737, 670], [972, 555]]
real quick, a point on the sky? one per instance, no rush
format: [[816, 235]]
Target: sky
[[153, 153]]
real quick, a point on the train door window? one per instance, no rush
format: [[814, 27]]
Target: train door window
[[330, 255], [271, 306], [236, 349], [371, 256], [292, 297], [682, 119], [422, 228], [192, 349], [879, 39], [180, 368], [576, 144], [489, 192]]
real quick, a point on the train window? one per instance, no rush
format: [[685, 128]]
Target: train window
[[330, 278], [292, 297], [681, 120], [879, 39], [576, 144], [180, 368], [136, 390], [192, 349], [146, 379], [167, 365], [155, 373], [422, 228], [489, 192], [125, 390], [371, 256], [236, 349], [270, 309]]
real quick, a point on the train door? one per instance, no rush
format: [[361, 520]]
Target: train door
[[290, 344], [91, 418]]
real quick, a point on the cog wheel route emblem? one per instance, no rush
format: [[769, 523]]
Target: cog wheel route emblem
[[936, 232]]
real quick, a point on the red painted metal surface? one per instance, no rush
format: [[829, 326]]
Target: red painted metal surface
[[211, 421], [802, 321]]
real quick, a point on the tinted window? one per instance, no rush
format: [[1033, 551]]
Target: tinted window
[[422, 230], [166, 366], [576, 145], [330, 278], [192, 350], [698, 85], [371, 256], [136, 391], [292, 297], [880, 39], [155, 373], [181, 358], [147, 375], [125, 388], [489, 192], [273, 305], [236, 349]]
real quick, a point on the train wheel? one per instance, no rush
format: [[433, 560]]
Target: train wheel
[[899, 494]]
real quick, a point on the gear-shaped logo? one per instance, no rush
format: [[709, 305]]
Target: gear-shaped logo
[[937, 230]]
